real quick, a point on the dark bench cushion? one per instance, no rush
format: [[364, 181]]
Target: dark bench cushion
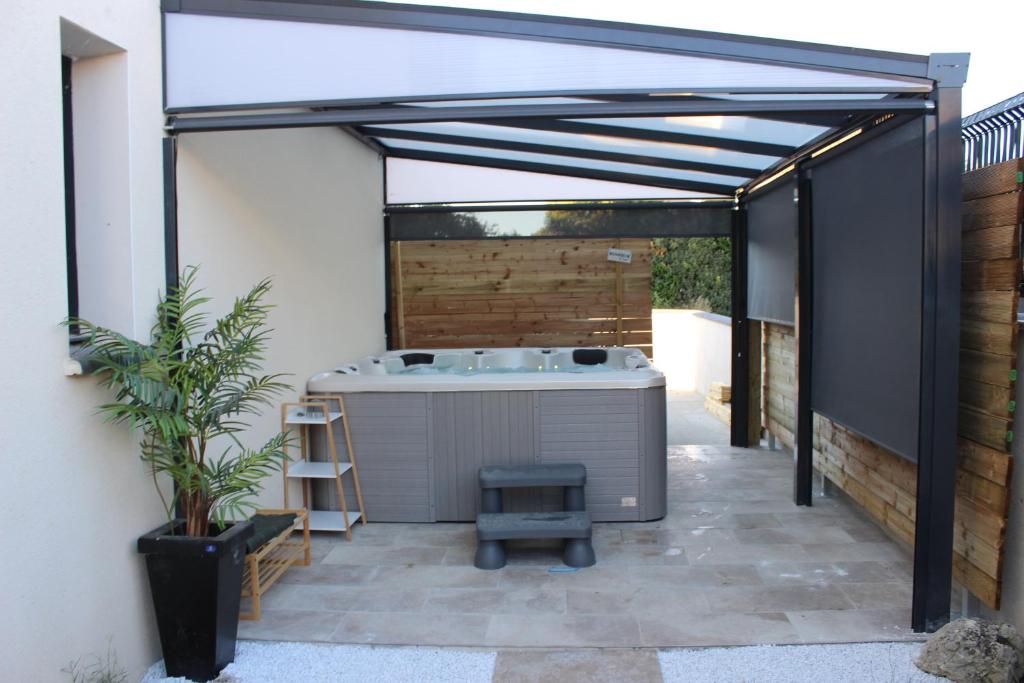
[[519, 476], [501, 526], [266, 528]]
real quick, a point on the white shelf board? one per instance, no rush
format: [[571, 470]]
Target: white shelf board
[[302, 416], [331, 520], [316, 470]]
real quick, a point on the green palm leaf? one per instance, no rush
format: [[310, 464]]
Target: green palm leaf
[[193, 384]]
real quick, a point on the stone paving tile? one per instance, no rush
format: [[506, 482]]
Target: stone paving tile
[[877, 595], [384, 556], [599, 576], [856, 625], [776, 598], [594, 666], [534, 600], [881, 551], [734, 562], [638, 600], [440, 535], [799, 535], [291, 624], [435, 577], [402, 628], [562, 631], [716, 629], [669, 578], [746, 553], [372, 598], [330, 574], [826, 573]]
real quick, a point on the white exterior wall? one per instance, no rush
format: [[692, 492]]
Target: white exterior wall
[[73, 495], [304, 207], [692, 348]]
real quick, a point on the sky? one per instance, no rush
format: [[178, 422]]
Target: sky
[[991, 34]]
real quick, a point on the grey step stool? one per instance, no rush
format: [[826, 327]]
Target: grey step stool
[[494, 526]]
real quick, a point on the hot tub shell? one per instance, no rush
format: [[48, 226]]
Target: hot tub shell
[[420, 439]]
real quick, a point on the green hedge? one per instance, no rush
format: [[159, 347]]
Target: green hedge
[[692, 272]]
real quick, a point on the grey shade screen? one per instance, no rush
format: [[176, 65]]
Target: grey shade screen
[[771, 254], [662, 222], [867, 235]]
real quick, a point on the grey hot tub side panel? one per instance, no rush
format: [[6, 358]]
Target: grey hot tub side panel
[[476, 428], [654, 454], [601, 429], [390, 435], [419, 453]]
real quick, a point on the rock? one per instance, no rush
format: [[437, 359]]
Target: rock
[[974, 651]]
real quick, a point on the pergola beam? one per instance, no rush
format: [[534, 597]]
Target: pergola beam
[[383, 115]]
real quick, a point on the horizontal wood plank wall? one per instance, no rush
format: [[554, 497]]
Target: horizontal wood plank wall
[[521, 292], [884, 483], [993, 210], [780, 382]]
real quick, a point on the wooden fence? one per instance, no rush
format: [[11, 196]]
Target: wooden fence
[[520, 292], [882, 482]]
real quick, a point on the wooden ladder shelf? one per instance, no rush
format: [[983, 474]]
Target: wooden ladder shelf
[[322, 411]]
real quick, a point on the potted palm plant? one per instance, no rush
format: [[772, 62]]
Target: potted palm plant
[[187, 393]]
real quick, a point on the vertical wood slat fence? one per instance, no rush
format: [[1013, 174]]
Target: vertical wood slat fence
[[520, 292], [882, 482]]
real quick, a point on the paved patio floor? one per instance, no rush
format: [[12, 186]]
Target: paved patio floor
[[733, 563]]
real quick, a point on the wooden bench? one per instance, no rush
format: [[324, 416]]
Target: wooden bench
[[265, 565]]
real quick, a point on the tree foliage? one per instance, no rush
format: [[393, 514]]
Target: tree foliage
[[187, 391], [692, 272]]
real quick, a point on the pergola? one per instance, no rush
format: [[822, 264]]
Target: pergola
[[840, 169]]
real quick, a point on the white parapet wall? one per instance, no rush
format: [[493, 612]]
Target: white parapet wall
[[692, 348]]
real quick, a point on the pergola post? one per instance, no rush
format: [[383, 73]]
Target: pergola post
[[170, 163], [803, 471], [739, 432], [940, 348]]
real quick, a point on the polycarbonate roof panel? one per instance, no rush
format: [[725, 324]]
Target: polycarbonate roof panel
[[575, 162], [216, 61], [728, 127], [412, 181], [599, 143]]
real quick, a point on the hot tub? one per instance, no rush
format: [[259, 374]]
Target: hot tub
[[424, 420]]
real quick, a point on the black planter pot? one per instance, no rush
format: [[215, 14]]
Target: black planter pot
[[196, 585]]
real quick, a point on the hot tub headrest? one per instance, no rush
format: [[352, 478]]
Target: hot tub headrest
[[589, 356], [417, 359]]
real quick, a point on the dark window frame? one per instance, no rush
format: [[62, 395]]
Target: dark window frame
[[69, 195]]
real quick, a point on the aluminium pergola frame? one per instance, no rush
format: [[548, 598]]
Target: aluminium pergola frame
[[916, 86]]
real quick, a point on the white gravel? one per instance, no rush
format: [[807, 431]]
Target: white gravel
[[856, 663], [272, 662]]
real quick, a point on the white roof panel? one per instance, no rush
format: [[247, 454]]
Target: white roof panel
[[412, 181], [603, 143], [550, 159], [216, 61]]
